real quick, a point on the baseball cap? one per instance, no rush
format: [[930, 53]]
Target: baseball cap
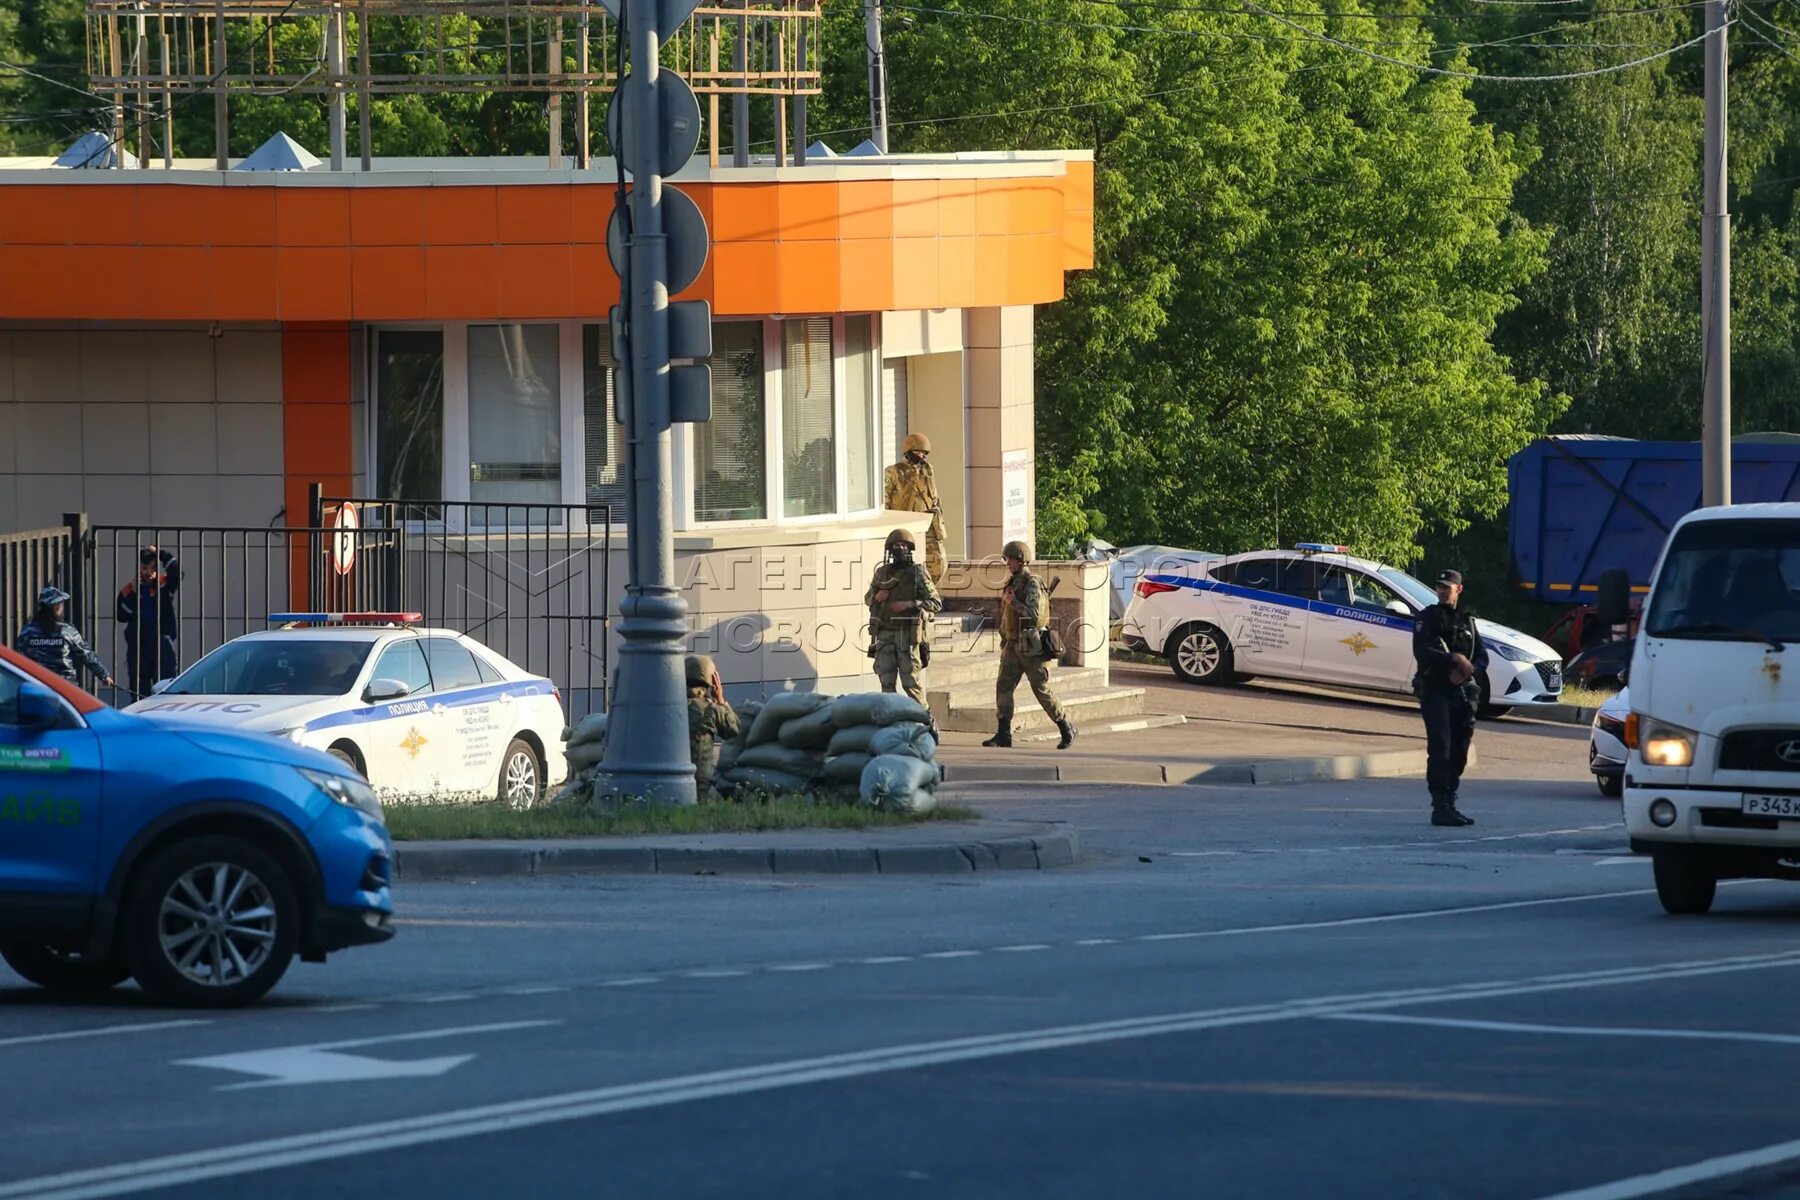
[[1448, 576]]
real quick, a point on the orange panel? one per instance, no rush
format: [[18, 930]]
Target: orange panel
[[167, 216], [29, 214], [915, 208], [98, 214], [866, 275], [702, 288], [387, 282], [1078, 241], [744, 278], [807, 277], [316, 439], [590, 207], [534, 214], [1030, 254], [35, 282], [956, 207], [534, 281], [745, 212], [809, 212], [243, 283], [866, 209], [915, 273], [387, 216], [593, 288], [110, 280], [462, 282], [461, 216], [308, 216], [992, 266], [704, 200], [231, 216], [956, 272], [175, 282], [315, 366], [993, 207], [314, 282]]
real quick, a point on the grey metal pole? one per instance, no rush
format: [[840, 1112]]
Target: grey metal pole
[[1715, 274], [878, 120], [647, 751], [740, 102], [221, 93], [336, 102]]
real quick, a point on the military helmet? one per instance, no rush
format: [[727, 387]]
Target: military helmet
[[1018, 550], [52, 595], [902, 537], [915, 441], [700, 670]]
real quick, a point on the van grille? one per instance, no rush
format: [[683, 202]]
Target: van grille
[[1760, 750]]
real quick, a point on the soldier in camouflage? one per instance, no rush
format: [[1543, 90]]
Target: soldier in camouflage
[[911, 487], [1024, 615], [899, 597], [711, 720]]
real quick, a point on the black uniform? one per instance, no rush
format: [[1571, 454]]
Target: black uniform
[[1449, 709], [60, 648], [148, 619]]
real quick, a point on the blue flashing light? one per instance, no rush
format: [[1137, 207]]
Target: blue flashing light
[[349, 618], [1320, 548]]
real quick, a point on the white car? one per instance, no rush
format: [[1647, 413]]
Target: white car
[[416, 711], [1319, 615], [1607, 754]]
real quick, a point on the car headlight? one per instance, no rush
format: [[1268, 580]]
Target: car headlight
[[1511, 653], [351, 793], [1664, 745], [293, 735]]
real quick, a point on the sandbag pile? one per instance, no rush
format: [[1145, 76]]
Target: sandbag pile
[[880, 747], [584, 746]]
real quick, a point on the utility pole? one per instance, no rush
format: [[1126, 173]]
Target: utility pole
[[1715, 274], [658, 245], [878, 121], [334, 72]]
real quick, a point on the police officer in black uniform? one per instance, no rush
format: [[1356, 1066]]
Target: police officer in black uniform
[[53, 643], [1450, 653]]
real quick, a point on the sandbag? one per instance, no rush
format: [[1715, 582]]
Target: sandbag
[[854, 740], [760, 779], [576, 789], [584, 754], [591, 728], [811, 732], [899, 784], [777, 711], [747, 712], [773, 756], [728, 754], [877, 708], [847, 768], [908, 738]]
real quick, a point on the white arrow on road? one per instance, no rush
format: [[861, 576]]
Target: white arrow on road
[[323, 1062]]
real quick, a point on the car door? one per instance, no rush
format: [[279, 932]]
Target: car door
[[472, 710], [406, 738], [1354, 636], [1267, 613], [50, 795]]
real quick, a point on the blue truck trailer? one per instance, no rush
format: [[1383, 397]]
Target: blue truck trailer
[[1584, 504]]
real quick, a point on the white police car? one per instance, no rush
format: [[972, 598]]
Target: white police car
[[416, 711], [1318, 615]]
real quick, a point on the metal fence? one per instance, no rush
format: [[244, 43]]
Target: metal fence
[[29, 562]]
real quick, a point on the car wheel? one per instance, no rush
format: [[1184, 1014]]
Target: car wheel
[[64, 970], [348, 758], [1200, 653], [1489, 711], [1684, 882], [1611, 786], [521, 779], [211, 923]]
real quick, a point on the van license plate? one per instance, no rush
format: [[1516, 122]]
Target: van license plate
[[1773, 806]]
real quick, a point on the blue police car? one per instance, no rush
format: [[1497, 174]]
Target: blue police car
[[197, 861]]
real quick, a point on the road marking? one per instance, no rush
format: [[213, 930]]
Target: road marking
[[798, 967], [880, 960], [1023, 948], [530, 991], [634, 981], [229, 1161], [1420, 915], [951, 954], [1677, 1178], [324, 1062], [102, 1031], [1423, 842], [1097, 942], [719, 973], [343, 1008], [1623, 860], [1703, 1035], [447, 998]]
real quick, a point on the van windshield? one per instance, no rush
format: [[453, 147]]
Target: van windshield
[[1730, 581]]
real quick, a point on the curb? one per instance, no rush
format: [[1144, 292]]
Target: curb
[[1562, 714], [1380, 764], [1058, 846]]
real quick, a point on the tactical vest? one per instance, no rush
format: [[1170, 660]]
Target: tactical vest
[[900, 583]]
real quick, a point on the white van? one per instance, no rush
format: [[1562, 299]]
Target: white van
[[1712, 784]]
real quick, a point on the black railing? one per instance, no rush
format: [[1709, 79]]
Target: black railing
[[29, 562], [529, 581]]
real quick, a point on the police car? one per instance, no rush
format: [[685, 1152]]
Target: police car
[[414, 711], [1319, 615]]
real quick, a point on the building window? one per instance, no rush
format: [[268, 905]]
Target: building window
[[409, 414], [808, 433], [730, 475], [861, 468], [515, 414], [603, 475]]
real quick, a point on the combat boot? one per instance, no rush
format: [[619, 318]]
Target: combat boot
[[1462, 818], [1002, 736], [1068, 733], [1441, 812]]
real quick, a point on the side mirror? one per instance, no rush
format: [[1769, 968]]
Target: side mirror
[[160, 686], [1613, 604], [38, 707], [385, 689], [1399, 608]]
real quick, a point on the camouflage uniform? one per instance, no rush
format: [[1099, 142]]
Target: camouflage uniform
[[911, 487], [1024, 610], [896, 635], [710, 721]]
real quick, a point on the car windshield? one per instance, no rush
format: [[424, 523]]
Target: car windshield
[[270, 667], [1407, 586], [1730, 581]]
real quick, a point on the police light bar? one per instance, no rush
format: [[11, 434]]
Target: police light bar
[[350, 618], [1320, 548]]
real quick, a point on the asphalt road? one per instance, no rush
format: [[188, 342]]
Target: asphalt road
[[1264, 992]]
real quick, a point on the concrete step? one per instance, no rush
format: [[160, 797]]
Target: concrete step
[[1089, 707], [952, 643], [971, 681], [1111, 725]]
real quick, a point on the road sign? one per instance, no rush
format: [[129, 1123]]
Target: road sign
[[677, 124], [671, 15], [685, 230], [343, 542]]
